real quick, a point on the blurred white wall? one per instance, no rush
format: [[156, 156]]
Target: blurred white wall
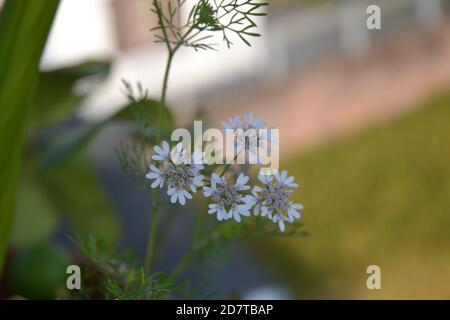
[[85, 29], [82, 30]]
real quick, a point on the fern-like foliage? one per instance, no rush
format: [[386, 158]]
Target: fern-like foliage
[[206, 18]]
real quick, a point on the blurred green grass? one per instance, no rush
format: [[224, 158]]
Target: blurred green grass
[[381, 197]]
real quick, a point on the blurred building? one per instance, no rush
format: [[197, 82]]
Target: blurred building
[[317, 71]]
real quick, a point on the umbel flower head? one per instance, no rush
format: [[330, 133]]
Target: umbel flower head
[[182, 175], [235, 123], [250, 138], [181, 178], [273, 199], [230, 200]]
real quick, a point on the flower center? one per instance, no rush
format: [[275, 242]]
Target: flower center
[[227, 195], [180, 176], [276, 198]]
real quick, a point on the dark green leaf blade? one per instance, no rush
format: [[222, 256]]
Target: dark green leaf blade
[[24, 27]]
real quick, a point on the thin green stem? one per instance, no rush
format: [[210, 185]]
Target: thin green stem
[[149, 258], [150, 255], [228, 166], [190, 254], [183, 263], [162, 100], [225, 169]]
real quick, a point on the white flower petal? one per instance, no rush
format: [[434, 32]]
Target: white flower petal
[[281, 225], [155, 183], [243, 210], [223, 214], [166, 148], [152, 175], [235, 215], [198, 181], [264, 211], [294, 214], [297, 206], [242, 179], [265, 179], [259, 123], [187, 194], [289, 180], [157, 157], [216, 179], [170, 191], [158, 150], [207, 191], [257, 210], [181, 198], [155, 169]]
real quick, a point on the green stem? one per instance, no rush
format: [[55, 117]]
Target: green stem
[[149, 258], [183, 263], [225, 169], [228, 166], [162, 100], [190, 254]]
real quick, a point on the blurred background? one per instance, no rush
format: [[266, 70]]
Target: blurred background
[[364, 127]]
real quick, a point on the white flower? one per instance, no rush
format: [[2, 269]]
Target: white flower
[[230, 200], [161, 154], [179, 155], [219, 210], [156, 174], [280, 219], [250, 138], [180, 178], [253, 124], [232, 123], [272, 200], [235, 123], [285, 180]]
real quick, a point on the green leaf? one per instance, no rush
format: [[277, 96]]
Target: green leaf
[[24, 27], [68, 144], [38, 272], [56, 98], [77, 194], [145, 112], [33, 205]]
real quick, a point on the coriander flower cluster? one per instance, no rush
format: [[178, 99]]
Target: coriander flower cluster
[[230, 195], [180, 178]]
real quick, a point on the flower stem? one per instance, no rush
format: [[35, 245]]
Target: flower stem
[[225, 169], [150, 255], [154, 216], [162, 100], [228, 166], [149, 258], [190, 254], [183, 263]]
